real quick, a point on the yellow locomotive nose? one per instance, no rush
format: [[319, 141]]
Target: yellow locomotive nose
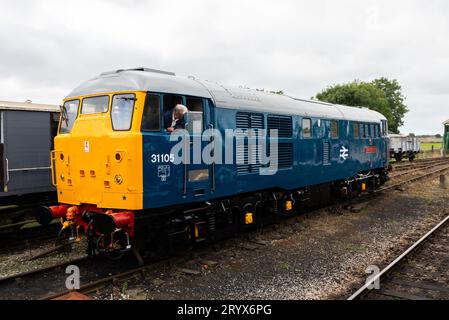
[[98, 160]]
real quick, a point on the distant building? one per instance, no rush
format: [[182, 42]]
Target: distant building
[[446, 136], [26, 140]]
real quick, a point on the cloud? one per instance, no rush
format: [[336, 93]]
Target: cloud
[[49, 47]]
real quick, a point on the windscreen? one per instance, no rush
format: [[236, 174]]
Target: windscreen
[[122, 111], [95, 105], [69, 113]]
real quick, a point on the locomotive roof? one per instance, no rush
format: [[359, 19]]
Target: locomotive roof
[[28, 106], [237, 98]]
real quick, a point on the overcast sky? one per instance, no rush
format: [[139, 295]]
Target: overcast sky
[[49, 47]]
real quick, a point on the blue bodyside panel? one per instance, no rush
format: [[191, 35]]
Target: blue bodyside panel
[[315, 160]]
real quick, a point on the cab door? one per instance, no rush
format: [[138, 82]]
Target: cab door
[[167, 179], [370, 149], [199, 179], [2, 157]]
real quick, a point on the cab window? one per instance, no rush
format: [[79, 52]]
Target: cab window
[[356, 127], [384, 128], [362, 130], [95, 105], [334, 129], [170, 102], [306, 128], [372, 132], [69, 113], [195, 107], [122, 111], [151, 120]]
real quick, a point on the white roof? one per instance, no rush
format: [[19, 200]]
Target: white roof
[[28, 106], [236, 98]]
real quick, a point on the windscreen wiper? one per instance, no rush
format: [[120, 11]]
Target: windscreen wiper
[[64, 115]]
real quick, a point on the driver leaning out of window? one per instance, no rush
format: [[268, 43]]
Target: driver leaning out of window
[[176, 120]]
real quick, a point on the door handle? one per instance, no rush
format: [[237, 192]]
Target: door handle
[[7, 171]]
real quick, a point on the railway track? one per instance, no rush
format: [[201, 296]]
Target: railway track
[[48, 283], [399, 184], [17, 221], [419, 164], [420, 273], [120, 277], [28, 238], [417, 161], [51, 280], [414, 169], [99, 275], [29, 285]]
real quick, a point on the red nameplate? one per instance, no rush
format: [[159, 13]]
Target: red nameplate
[[371, 150]]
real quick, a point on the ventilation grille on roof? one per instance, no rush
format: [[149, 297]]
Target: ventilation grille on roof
[[168, 73]]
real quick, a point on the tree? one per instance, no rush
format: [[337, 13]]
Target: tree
[[357, 94], [381, 95], [395, 98]]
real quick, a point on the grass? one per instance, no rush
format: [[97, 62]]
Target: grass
[[427, 146]]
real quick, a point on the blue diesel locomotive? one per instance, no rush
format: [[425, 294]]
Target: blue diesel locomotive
[[118, 174]]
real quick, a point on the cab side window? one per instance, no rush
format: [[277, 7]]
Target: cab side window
[[196, 108], [151, 119], [356, 130], [384, 128], [334, 129], [362, 130], [170, 102], [306, 128], [372, 131]]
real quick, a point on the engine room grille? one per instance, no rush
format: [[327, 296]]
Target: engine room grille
[[326, 153], [285, 155], [281, 123], [242, 158], [247, 121]]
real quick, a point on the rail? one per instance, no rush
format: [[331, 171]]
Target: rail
[[385, 271]]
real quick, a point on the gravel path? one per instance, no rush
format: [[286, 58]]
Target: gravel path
[[18, 261]]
